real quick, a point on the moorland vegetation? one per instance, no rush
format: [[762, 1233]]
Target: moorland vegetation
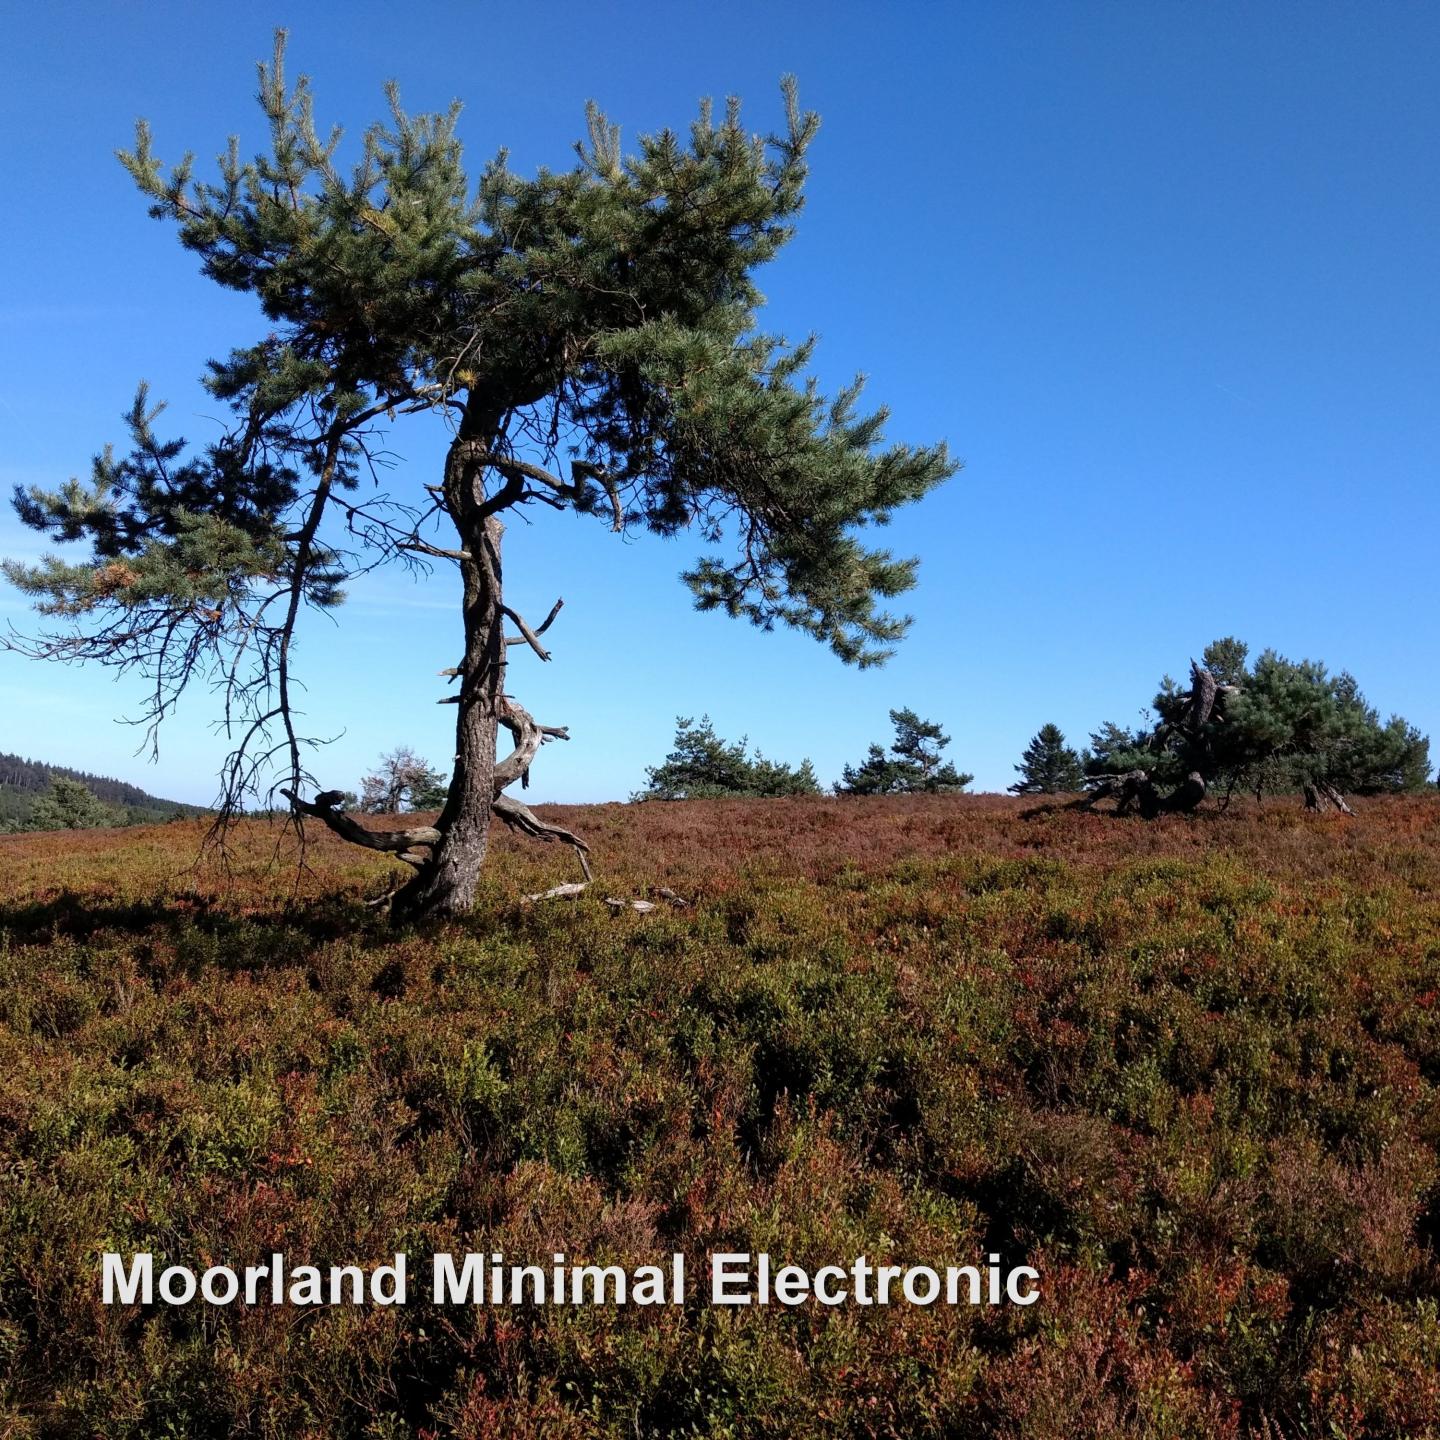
[[1188, 1069]]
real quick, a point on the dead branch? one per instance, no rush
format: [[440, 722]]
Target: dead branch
[[424, 548], [522, 818], [571, 891], [1203, 690], [399, 842], [529, 737], [576, 889], [527, 636]]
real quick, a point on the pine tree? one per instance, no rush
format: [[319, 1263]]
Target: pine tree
[[913, 765], [402, 781], [703, 766], [1274, 726], [1049, 766], [71, 805], [589, 335]]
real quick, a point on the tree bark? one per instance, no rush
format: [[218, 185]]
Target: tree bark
[[1187, 795], [1135, 790], [446, 884]]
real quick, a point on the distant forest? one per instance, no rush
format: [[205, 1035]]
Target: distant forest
[[23, 782]]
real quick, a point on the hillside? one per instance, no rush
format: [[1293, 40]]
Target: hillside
[[1187, 1070], [22, 781]]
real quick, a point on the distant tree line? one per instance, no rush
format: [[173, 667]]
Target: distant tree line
[[1271, 726], [703, 766], [36, 796]]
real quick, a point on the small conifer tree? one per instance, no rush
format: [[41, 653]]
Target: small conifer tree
[[703, 766], [912, 766], [1049, 766], [72, 805]]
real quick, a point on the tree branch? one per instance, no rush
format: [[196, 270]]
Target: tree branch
[[529, 737], [527, 636], [521, 817], [435, 550], [595, 472], [348, 828]]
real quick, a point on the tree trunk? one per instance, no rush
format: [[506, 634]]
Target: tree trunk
[[1187, 795], [1320, 796], [1136, 790], [446, 884], [449, 855]]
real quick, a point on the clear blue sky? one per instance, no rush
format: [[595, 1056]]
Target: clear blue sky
[[1164, 275]]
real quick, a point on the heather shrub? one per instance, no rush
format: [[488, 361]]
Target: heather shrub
[[1188, 1070]]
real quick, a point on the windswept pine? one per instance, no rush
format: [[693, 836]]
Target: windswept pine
[[1273, 727], [912, 767], [589, 336]]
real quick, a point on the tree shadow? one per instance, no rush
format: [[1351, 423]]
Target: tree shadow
[[72, 916]]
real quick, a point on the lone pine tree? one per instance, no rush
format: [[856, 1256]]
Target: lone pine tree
[[1048, 766], [402, 781], [913, 766], [589, 336], [702, 766]]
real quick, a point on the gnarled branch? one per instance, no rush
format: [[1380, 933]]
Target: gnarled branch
[[425, 548], [348, 828], [522, 818], [530, 637]]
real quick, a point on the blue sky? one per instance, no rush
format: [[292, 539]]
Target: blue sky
[[1163, 275]]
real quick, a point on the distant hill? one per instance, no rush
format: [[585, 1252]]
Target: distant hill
[[23, 781]]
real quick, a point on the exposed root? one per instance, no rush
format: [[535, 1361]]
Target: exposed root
[[1135, 790]]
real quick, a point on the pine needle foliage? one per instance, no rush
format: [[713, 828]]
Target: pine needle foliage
[[911, 767], [1287, 724], [702, 766], [1049, 766]]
